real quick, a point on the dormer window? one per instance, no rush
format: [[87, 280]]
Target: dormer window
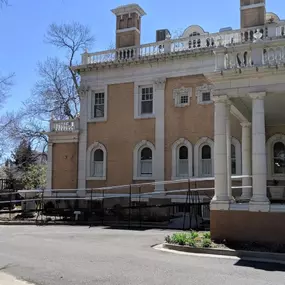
[[194, 34]]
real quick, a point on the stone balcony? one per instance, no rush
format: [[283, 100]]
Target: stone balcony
[[64, 125], [64, 131], [195, 44]]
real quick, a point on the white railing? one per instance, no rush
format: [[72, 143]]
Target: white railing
[[206, 41], [64, 125]]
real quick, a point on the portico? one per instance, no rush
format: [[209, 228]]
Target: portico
[[259, 107]]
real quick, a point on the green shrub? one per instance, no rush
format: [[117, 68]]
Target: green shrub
[[179, 238], [194, 234], [206, 242], [207, 235], [191, 242]]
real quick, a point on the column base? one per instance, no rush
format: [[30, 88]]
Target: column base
[[220, 204], [245, 196], [255, 206]]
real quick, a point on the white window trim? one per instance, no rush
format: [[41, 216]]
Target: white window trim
[[197, 154], [137, 100], [237, 145], [91, 107], [90, 153], [199, 94], [269, 146], [177, 93], [136, 160], [175, 158]]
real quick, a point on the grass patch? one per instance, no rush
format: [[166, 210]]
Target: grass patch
[[193, 239]]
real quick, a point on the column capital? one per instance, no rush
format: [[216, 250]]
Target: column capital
[[159, 83], [221, 99], [246, 124], [257, 95]]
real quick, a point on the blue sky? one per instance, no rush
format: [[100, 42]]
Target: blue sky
[[24, 23]]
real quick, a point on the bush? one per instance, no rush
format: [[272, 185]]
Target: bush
[[193, 239], [206, 242], [179, 238], [207, 235]]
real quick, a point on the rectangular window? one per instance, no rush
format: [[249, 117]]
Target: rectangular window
[[99, 105], [146, 96], [184, 99], [206, 96]]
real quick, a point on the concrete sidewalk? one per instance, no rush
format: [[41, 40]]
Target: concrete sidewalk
[[6, 279]]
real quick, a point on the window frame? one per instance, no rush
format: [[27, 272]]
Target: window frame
[[270, 156], [137, 99], [200, 90], [91, 104], [198, 156], [236, 143], [90, 160], [141, 100], [137, 160], [178, 93], [175, 158]]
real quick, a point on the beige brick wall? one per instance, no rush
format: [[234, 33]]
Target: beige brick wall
[[127, 39], [120, 134], [253, 17], [191, 122], [64, 165]]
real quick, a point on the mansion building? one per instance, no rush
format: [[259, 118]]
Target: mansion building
[[203, 105]]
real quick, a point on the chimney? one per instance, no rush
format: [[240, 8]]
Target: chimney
[[252, 13], [128, 25]]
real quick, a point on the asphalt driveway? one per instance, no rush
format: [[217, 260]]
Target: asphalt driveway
[[66, 255]]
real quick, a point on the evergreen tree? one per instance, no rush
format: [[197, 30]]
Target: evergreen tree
[[23, 156]]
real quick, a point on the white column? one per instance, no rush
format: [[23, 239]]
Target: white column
[[49, 166], [259, 201], [229, 149], [246, 161], [82, 149], [158, 164], [221, 200]]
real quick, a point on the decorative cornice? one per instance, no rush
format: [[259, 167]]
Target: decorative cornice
[[141, 60]]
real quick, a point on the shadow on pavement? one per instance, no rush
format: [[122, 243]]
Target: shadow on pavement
[[261, 265]]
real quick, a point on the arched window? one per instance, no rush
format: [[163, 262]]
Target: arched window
[[279, 158], [96, 162], [183, 168], [143, 161], [203, 157], [276, 157], [234, 161], [146, 162], [181, 159], [206, 159]]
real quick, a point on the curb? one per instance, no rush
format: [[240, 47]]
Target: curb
[[242, 254]]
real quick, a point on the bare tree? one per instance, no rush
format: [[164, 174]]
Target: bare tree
[[5, 85], [56, 92], [3, 2]]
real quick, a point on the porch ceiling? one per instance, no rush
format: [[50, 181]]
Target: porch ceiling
[[274, 107]]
